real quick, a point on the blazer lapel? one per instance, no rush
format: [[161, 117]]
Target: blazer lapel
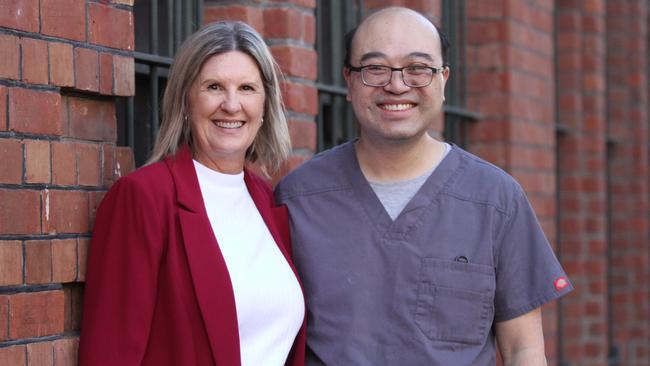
[[212, 282]]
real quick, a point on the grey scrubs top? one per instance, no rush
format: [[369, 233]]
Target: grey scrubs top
[[426, 289]]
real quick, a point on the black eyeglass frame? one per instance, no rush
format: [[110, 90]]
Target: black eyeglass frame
[[434, 71]]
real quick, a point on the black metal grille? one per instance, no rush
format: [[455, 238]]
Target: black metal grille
[[335, 118], [457, 116], [160, 28]]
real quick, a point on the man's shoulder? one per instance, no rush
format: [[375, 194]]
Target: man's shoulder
[[478, 180], [322, 172]]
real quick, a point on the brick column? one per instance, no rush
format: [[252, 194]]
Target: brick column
[[289, 28], [62, 64], [511, 83], [627, 50], [581, 54]]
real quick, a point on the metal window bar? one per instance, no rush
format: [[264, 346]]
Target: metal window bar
[[335, 122], [457, 116], [160, 28]]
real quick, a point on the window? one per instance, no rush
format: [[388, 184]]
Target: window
[[160, 28], [457, 116], [335, 118]]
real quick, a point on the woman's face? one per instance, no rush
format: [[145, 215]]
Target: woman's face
[[226, 104]]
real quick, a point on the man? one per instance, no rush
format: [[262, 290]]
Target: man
[[413, 251]]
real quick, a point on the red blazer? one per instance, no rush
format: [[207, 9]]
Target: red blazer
[[157, 288]]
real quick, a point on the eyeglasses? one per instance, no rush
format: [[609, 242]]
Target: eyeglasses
[[415, 76]]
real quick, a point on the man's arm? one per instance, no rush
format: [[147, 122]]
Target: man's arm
[[521, 340]]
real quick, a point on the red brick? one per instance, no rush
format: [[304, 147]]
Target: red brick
[[40, 353], [38, 261], [10, 56], [4, 320], [61, 64], [3, 108], [300, 98], [309, 29], [104, 20], [86, 69], [20, 212], [12, 153], [124, 161], [64, 19], [124, 75], [108, 154], [14, 355], [283, 23], [65, 211], [37, 161], [34, 60], [65, 351], [303, 134], [19, 14], [73, 306], [296, 61], [64, 260], [82, 256], [248, 14], [64, 164], [36, 314], [92, 119], [105, 73], [89, 167], [94, 199], [11, 265], [24, 117]]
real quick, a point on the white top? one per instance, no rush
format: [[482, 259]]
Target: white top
[[268, 298]]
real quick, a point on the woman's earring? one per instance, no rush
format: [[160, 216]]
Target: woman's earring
[[262, 120], [185, 118]]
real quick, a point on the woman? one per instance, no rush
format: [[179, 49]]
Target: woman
[[189, 262]]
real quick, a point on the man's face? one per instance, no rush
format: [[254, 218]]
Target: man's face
[[395, 112]]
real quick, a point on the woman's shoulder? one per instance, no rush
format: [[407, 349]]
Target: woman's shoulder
[[153, 180]]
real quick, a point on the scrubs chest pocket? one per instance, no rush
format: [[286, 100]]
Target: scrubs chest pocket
[[455, 301]]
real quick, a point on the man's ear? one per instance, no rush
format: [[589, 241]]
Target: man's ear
[[346, 76]]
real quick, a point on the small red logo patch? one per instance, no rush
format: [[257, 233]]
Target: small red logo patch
[[560, 283]]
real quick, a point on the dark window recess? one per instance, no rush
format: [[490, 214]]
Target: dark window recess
[[334, 18], [457, 116], [160, 28]]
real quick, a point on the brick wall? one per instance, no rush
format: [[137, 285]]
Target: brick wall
[[582, 78], [627, 89], [62, 64], [511, 83]]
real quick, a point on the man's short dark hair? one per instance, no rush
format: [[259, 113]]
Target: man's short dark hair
[[349, 36]]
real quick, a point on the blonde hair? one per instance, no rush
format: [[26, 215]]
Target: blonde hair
[[272, 144]]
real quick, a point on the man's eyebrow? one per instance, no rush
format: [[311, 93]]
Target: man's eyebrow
[[421, 55], [369, 55]]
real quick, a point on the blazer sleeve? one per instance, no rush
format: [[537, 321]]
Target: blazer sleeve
[[121, 280]]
